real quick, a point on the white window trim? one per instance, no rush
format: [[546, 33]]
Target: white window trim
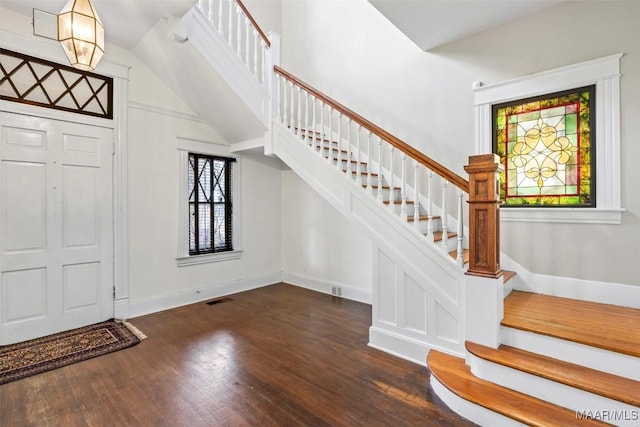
[[605, 74], [184, 147]]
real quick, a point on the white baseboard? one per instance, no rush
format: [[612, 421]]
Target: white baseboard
[[399, 345], [322, 285], [121, 308], [164, 302], [567, 287]]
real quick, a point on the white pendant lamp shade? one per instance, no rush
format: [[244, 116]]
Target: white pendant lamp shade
[[81, 34]]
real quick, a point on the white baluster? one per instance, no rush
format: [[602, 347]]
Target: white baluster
[[285, 104], [247, 26], [403, 188], [369, 163], [220, 3], [460, 230], [358, 158], [330, 139], [231, 23], [306, 118], [239, 29], [416, 196], [429, 206], [392, 192], [339, 142], [380, 197], [299, 123], [292, 108], [263, 48], [256, 36], [321, 151], [445, 227], [349, 154], [314, 133], [279, 116]]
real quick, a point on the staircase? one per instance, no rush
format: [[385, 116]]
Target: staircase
[[561, 362], [438, 288]]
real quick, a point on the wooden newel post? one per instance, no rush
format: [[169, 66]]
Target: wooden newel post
[[484, 216]]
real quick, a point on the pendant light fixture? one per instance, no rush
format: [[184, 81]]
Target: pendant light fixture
[[81, 34]]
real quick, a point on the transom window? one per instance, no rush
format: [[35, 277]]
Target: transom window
[[210, 204], [546, 145]]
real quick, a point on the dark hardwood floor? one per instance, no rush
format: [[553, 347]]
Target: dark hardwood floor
[[274, 356]]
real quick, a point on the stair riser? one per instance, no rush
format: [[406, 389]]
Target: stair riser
[[423, 226], [591, 357], [386, 192], [451, 244], [550, 391]]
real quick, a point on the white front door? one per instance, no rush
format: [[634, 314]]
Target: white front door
[[56, 226]]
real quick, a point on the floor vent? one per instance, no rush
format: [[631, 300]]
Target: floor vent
[[218, 300]]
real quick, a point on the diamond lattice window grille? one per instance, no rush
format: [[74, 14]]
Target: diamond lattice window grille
[[35, 81]]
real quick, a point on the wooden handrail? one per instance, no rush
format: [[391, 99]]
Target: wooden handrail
[[434, 166], [254, 23]]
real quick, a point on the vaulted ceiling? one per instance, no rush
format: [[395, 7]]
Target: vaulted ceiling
[[429, 23], [432, 23]]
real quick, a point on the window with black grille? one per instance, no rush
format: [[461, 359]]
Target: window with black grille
[[210, 204]]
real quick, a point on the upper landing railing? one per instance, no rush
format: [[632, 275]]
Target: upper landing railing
[[235, 24]]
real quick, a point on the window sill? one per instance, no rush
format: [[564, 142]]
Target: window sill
[[562, 215], [207, 258]]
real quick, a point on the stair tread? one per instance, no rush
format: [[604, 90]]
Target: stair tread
[[346, 160], [465, 255], [604, 384], [422, 218], [456, 376], [604, 326], [398, 202], [384, 187], [437, 235], [333, 149], [507, 275]]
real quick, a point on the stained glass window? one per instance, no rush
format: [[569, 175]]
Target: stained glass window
[[546, 145], [210, 204]]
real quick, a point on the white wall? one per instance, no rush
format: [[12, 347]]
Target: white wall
[[153, 202], [351, 52], [153, 212], [267, 13], [320, 248]]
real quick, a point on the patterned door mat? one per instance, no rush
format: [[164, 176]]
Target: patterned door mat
[[32, 357]]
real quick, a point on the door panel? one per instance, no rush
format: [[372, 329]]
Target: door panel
[[56, 226], [24, 206]]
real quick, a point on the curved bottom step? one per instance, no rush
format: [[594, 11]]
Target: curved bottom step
[[455, 377]]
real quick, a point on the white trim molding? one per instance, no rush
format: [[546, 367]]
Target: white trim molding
[[184, 147], [158, 303], [325, 286], [605, 74]]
